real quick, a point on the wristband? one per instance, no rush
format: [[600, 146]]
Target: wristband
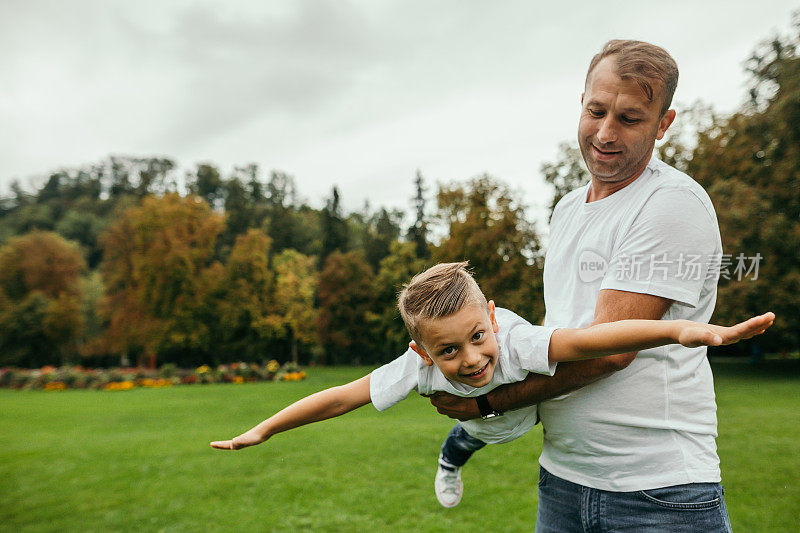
[[486, 410]]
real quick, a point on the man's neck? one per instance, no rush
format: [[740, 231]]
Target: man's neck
[[603, 189]]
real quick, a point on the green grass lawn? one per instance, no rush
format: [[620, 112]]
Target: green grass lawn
[[139, 461]]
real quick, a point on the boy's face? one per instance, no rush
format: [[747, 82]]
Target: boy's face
[[462, 345]]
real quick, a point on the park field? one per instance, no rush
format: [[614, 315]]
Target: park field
[[139, 460]]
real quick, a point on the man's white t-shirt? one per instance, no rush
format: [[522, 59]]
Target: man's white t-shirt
[[652, 424], [523, 349]]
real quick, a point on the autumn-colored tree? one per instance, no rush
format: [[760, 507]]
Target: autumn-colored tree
[[488, 227], [248, 317], [40, 299], [346, 301], [295, 286], [154, 269]]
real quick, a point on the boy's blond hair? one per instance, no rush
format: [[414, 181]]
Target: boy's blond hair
[[440, 291]]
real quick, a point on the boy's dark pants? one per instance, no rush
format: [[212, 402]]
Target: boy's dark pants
[[459, 446]]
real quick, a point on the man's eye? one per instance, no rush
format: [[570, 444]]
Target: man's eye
[[628, 120], [478, 336], [596, 113]]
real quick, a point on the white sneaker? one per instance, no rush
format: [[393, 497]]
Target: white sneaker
[[448, 486]]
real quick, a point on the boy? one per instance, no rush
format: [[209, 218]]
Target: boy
[[461, 344]]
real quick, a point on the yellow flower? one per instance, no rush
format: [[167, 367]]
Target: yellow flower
[[124, 385], [238, 379], [203, 369], [273, 366]]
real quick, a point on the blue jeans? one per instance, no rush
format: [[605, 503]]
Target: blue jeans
[[566, 507], [459, 446]]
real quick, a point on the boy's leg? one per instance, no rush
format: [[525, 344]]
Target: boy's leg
[[456, 450], [458, 447]]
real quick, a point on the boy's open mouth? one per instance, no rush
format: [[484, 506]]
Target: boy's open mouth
[[478, 373]]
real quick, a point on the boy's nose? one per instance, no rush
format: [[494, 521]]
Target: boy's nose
[[471, 358]]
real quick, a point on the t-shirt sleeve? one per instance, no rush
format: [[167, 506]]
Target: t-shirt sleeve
[[393, 382], [528, 348], [668, 249]]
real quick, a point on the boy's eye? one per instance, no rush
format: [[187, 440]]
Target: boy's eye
[[478, 336], [450, 350]]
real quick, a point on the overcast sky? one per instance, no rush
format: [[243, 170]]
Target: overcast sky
[[358, 94]]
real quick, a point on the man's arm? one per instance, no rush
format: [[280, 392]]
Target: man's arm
[[611, 305]]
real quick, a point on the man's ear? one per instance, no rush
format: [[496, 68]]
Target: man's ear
[[495, 326], [664, 123], [582, 98], [425, 357]]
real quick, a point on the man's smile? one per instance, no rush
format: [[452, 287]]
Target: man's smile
[[605, 154]]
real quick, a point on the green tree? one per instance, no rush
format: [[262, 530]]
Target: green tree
[[396, 269], [750, 165], [40, 298], [288, 224], [418, 232], [333, 226], [380, 230], [249, 322], [295, 287], [84, 227], [568, 172], [206, 183], [489, 228]]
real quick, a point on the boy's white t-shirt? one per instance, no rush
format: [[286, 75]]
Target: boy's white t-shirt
[[523, 349], [652, 424]]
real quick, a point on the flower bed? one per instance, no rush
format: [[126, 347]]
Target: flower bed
[[77, 377]]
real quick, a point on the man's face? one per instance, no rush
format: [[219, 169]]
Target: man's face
[[462, 345], [619, 125]]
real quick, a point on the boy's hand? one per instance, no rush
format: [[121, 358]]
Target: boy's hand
[[694, 335], [250, 438]]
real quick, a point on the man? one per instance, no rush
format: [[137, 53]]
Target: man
[[635, 451]]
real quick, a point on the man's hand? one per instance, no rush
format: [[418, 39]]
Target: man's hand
[[455, 406], [249, 438], [693, 334]]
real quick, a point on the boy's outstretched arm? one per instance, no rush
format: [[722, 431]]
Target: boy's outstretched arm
[[634, 335], [319, 406]]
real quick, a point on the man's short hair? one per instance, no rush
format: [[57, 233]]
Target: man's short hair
[[643, 63], [440, 291]]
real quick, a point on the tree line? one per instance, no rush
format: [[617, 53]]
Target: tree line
[[111, 264], [121, 262]]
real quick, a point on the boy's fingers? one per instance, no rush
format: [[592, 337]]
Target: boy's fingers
[[222, 444]]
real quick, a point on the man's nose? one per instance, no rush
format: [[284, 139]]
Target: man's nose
[[607, 133]]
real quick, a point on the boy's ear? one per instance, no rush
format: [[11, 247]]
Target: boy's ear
[[425, 357], [495, 326]]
